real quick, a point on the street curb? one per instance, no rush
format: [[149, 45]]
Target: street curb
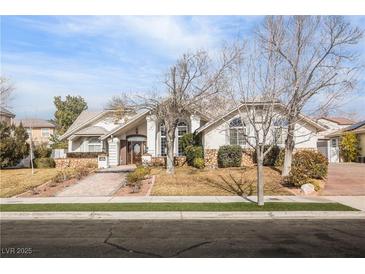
[[182, 215]]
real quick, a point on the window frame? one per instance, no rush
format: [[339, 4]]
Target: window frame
[[43, 129], [181, 124], [239, 129], [93, 143], [163, 141]]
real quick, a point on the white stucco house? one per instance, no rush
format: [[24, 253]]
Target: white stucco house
[[126, 140], [328, 142]]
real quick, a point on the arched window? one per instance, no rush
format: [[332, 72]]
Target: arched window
[[237, 132], [163, 140], [182, 129]]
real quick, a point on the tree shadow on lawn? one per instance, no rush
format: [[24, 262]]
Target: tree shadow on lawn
[[242, 186]]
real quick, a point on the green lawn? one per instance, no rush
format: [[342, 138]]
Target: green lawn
[[271, 206]]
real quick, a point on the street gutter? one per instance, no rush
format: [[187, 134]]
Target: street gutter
[[182, 215]]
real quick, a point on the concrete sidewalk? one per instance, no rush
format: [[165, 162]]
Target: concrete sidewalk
[[183, 215], [163, 199]]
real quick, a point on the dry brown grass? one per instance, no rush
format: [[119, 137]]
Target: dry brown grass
[[209, 182], [16, 181]]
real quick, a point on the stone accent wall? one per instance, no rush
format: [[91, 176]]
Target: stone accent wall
[[180, 161], [161, 161], [211, 158], [247, 157], [75, 162], [158, 161]]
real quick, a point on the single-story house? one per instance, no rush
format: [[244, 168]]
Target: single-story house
[[335, 137], [39, 130], [126, 139], [328, 144], [6, 116]]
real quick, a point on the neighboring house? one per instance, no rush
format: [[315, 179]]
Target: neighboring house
[[329, 146], [335, 137], [126, 140], [6, 115], [38, 130], [332, 123]]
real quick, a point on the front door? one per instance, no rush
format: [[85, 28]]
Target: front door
[[134, 153]]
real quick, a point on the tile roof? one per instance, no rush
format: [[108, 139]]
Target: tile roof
[[35, 123], [339, 120]]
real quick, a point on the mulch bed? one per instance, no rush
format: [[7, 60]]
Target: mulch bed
[[144, 191], [48, 189]]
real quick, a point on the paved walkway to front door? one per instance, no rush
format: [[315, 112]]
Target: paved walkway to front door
[[97, 184], [345, 179]]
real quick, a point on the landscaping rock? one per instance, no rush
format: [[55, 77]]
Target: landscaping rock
[[307, 189]]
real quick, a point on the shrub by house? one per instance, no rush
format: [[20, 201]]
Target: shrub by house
[[230, 156]]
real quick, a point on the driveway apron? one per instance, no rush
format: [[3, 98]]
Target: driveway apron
[[346, 179]]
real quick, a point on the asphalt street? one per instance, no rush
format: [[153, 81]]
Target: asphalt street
[[187, 238]]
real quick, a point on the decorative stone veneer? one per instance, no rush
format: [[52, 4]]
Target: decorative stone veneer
[[75, 162], [247, 157], [180, 161], [211, 158], [158, 161], [161, 161]]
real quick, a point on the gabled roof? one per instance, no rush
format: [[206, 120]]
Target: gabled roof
[[34, 123], [93, 130], [279, 105], [339, 120], [5, 112], [135, 118], [86, 117], [356, 128]]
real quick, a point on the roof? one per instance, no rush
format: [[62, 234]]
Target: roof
[[93, 130], [83, 119], [303, 117], [34, 123], [339, 120], [354, 128], [5, 112], [123, 126]]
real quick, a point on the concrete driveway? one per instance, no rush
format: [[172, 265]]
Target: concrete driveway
[[345, 179], [97, 184]]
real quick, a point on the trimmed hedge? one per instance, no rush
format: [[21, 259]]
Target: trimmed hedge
[[44, 163], [193, 152], [230, 156], [272, 157], [84, 154], [307, 165]]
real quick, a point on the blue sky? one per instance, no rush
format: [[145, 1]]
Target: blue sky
[[100, 56]]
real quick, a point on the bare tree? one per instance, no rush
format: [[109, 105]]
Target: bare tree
[[6, 90], [255, 85], [122, 105], [316, 59], [194, 76]]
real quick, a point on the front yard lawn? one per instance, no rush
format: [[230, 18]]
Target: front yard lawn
[[188, 181], [16, 181], [244, 206]]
